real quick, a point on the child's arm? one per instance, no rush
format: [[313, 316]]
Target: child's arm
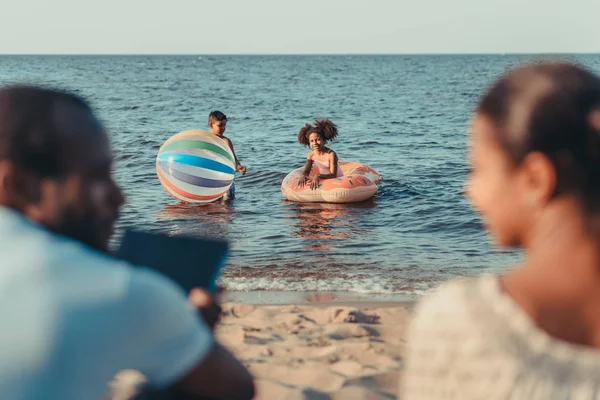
[[238, 166], [333, 167], [307, 168]]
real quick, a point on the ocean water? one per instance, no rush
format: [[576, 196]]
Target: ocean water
[[405, 116]]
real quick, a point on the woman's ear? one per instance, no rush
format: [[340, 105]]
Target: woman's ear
[[538, 178]]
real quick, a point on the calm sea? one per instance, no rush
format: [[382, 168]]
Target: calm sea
[[405, 116]]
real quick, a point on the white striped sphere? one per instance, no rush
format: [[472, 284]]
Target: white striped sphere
[[195, 167]]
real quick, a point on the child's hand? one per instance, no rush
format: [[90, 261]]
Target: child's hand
[[314, 182], [241, 169], [302, 180]]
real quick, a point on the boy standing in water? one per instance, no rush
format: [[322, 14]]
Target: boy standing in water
[[217, 122]]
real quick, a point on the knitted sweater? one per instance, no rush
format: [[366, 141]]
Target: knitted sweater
[[469, 340]]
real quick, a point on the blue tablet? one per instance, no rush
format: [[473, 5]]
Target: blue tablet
[[190, 262]]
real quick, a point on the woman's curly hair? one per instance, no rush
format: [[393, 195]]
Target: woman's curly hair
[[323, 127]]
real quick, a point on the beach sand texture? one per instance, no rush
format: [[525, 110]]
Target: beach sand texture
[[311, 351], [319, 352]]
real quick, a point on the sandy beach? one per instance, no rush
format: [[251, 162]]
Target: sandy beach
[[323, 346], [322, 350]]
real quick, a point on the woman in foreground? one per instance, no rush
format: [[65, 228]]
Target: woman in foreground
[[533, 332]]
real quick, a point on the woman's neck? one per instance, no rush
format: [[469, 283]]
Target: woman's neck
[[563, 233], [559, 284]]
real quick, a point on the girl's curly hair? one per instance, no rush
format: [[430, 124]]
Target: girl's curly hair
[[323, 127]]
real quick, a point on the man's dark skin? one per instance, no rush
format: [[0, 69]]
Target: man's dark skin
[[64, 183]]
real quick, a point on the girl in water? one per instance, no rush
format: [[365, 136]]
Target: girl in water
[[323, 158], [532, 332]]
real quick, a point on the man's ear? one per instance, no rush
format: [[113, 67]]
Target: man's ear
[[19, 188]]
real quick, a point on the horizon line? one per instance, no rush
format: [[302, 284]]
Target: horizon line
[[306, 54]]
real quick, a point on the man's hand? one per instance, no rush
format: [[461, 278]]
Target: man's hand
[[241, 169], [207, 305]]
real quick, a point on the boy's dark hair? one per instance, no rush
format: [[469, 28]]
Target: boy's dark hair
[[554, 109], [324, 127], [29, 135], [216, 116]]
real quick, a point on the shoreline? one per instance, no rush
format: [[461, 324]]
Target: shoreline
[[317, 299]]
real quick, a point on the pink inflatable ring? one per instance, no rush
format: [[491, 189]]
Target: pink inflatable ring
[[359, 183]]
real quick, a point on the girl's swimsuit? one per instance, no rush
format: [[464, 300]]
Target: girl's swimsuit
[[322, 163]]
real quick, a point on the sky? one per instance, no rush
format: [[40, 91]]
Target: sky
[[298, 26]]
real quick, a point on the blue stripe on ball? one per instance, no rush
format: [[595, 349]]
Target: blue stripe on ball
[[196, 162], [191, 179]]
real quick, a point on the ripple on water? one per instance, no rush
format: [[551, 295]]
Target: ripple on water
[[406, 116]]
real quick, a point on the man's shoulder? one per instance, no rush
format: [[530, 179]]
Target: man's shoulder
[[137, 282], [62, 259], [63, 262], [116, 283], [32, 245], [70, 253]]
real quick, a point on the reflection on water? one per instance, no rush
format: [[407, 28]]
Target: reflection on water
[[212, 219], [324, 225]]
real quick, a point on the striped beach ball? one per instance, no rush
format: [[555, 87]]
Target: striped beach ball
[[195, 167]]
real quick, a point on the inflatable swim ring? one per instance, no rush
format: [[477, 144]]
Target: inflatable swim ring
[[195, 167], [359, 183]]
